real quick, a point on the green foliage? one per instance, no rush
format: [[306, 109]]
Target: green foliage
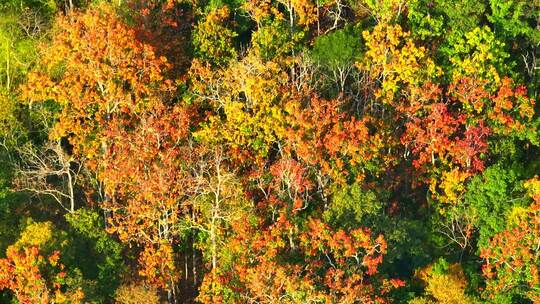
[[46, 7], [477, 53], [272, 40], [461, 16], [441, 266], [97, 255], [384, 10], [489, 198], [93, 260], [9, 218], [514, 18], [338, 48], [18, 45], [427, 22], [351, 207], [213, 40]]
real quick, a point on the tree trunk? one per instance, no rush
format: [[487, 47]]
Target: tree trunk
[[8, 67], [71, 192]]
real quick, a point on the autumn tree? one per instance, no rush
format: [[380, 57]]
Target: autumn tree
[[145, 193], [213, 40], [444, 283], [32, 269], [511, 262], [269, 265], [269, 151], [112, 92], [246, 100], [91, 70]]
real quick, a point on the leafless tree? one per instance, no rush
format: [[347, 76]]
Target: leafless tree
[[31, 22], [50, 171], [216, 201], [336, 13], [531, 61], [458, 229]]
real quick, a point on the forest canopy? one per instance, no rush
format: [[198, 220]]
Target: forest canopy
[[269, 151]]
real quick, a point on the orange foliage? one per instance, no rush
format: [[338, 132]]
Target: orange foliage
[[34, 278], [288, 263], [97, 70]]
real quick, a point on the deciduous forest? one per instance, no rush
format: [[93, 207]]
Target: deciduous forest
[[269, 151]]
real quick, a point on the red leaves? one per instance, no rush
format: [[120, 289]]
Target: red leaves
[[279, 260], [323, 135], [466, 150], [505, 109], [343, 245], [146, 180], [471, 93], [511, 108], [455, 133], [291, 174], [114, 93], [430, 135], [439, 139]]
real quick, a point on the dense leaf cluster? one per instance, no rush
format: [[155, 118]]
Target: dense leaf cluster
[[269, 151]]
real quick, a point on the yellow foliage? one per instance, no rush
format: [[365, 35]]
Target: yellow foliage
[[134, 294], [35, 234], [394, 59], [306, 10], [249, 98], [444, 288], [96, 70], [520, 214], [7, 118], [482, 53], [213, 40], [533, 186], [72, 297], [421, 300], [517, 215], [451, 186], [386, 10], [260, 10]]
